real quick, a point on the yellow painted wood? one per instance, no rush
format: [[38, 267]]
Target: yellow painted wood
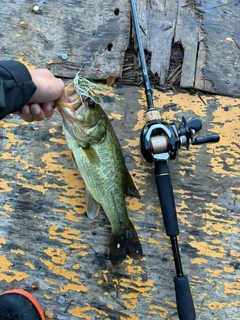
[[50, 248]]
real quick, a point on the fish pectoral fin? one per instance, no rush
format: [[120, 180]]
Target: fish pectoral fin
[[92, 206], [91, 155], [131, 189], [74, 160]]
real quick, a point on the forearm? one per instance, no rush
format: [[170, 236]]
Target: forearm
[[16, 87]]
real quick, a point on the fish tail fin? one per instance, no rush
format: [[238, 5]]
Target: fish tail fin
[[125, 244]]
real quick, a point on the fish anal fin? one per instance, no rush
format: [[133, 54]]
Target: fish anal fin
[[131, 188], [125, 244], [92, 206]]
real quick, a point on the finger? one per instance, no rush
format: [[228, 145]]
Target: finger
[[49, 88], [26, 114], [48, 109], [37, 112]]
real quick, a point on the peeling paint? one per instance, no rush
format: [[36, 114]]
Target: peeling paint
[[45, 199]]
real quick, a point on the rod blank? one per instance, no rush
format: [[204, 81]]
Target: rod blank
[[148, 90]]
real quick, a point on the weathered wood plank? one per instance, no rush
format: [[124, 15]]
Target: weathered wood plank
[[187, 33], [157, 20], [95, 37], [50, 247], [165, 23], [207, 33], [93, 34], [220, 22]]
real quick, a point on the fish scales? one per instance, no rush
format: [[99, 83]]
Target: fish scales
[[98, 156], [102, 184]]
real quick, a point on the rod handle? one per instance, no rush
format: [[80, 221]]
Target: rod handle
[[185, 306], [166, 197]]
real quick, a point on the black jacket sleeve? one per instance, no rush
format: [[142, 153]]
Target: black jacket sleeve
[[16, 87]]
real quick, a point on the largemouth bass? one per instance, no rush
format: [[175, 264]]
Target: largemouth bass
[[98, 156]]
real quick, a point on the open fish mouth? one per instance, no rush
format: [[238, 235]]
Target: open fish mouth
[[75, 95], [70, 105]]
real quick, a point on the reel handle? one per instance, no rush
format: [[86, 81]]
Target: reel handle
[[195, 123], [212, 138], [184, 299]]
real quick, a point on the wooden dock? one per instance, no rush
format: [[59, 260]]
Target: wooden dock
[[190, 43], [48, 245]]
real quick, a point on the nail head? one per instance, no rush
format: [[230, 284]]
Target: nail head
[[61, 300], [64, 56], [127, 159], [36, 9]]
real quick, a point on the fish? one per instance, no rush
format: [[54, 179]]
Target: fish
[[98, 156]]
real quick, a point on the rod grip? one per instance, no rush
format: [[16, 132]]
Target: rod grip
[[185, 306], [166, 197]]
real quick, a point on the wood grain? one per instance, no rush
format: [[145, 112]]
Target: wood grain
[[50, 248], [95, 37]]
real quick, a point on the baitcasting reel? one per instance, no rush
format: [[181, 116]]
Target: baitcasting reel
[[161, 140]]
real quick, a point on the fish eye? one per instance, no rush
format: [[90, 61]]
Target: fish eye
[[91, 104]]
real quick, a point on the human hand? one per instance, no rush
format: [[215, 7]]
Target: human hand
[[41, 104]]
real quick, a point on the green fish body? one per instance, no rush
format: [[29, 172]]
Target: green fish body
[[98, 156]]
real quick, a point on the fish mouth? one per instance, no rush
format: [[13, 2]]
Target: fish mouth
[[70, 105]]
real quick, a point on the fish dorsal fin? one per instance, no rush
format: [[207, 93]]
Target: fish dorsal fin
[[92, 206], [131, 189]]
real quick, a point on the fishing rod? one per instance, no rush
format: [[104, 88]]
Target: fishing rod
[[160, 141]]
